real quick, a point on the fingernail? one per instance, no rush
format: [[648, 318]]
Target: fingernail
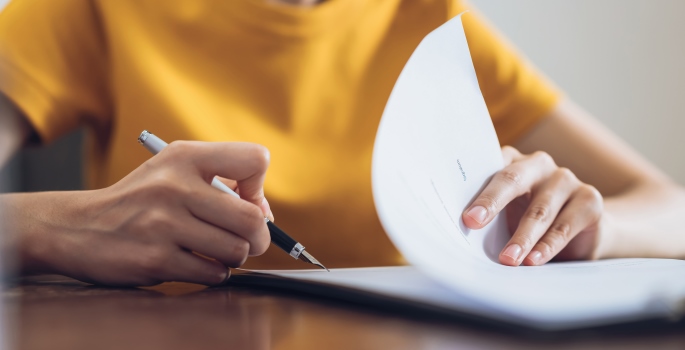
[[478, 213], [513, 251], [535, 257], [224, 277], [266, 208]]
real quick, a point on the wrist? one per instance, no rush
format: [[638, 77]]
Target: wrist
[[41, 227], [22, 242], [606, 237]]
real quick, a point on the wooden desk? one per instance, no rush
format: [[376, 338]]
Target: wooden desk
[[52, 312]]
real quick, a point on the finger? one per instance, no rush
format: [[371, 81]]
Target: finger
[[232, 214], [233, 185], [511, 182], [510, 154], [244, 162], [266, 209], [583, 209], [226, 247], [185, 266], [545, 204]]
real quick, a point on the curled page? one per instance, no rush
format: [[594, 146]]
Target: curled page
[[435, 150]]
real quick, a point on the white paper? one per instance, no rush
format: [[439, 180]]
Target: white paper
[[435, 150], [551, 308]]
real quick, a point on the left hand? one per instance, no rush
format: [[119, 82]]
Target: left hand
[[550, 212]]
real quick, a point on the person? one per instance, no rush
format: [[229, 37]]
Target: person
[[298, 86]]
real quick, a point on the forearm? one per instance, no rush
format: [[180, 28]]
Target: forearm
[[32, 235], [645, 221]]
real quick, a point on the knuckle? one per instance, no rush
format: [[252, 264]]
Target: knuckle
[[591, 193], [260, 155], [164, 185], [538, 213], [566, 173], [509, 150], [544, 158], [525, 241], [560, 231], [178, 148], [511, 177], [594, 199], [545, 248]]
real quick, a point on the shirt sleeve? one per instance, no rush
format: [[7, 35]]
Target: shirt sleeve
[[52, 64], [517, 95]]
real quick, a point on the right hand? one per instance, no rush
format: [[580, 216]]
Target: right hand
[[162, 222]]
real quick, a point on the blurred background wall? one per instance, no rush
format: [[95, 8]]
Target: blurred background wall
[[620, 59]]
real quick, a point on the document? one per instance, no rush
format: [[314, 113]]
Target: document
[[435, 150]]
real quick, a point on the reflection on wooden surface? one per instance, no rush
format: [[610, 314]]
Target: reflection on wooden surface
[[52, 312]]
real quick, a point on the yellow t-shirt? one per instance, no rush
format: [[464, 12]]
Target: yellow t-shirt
[[308, 83]]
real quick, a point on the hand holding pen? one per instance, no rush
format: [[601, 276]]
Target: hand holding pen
[[281, 239], [161, 222]]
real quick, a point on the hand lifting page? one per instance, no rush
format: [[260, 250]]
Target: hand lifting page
[[435, 150]]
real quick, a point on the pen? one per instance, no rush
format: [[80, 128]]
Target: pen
[[278, 237]]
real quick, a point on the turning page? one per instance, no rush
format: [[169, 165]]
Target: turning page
[[435, 150]]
